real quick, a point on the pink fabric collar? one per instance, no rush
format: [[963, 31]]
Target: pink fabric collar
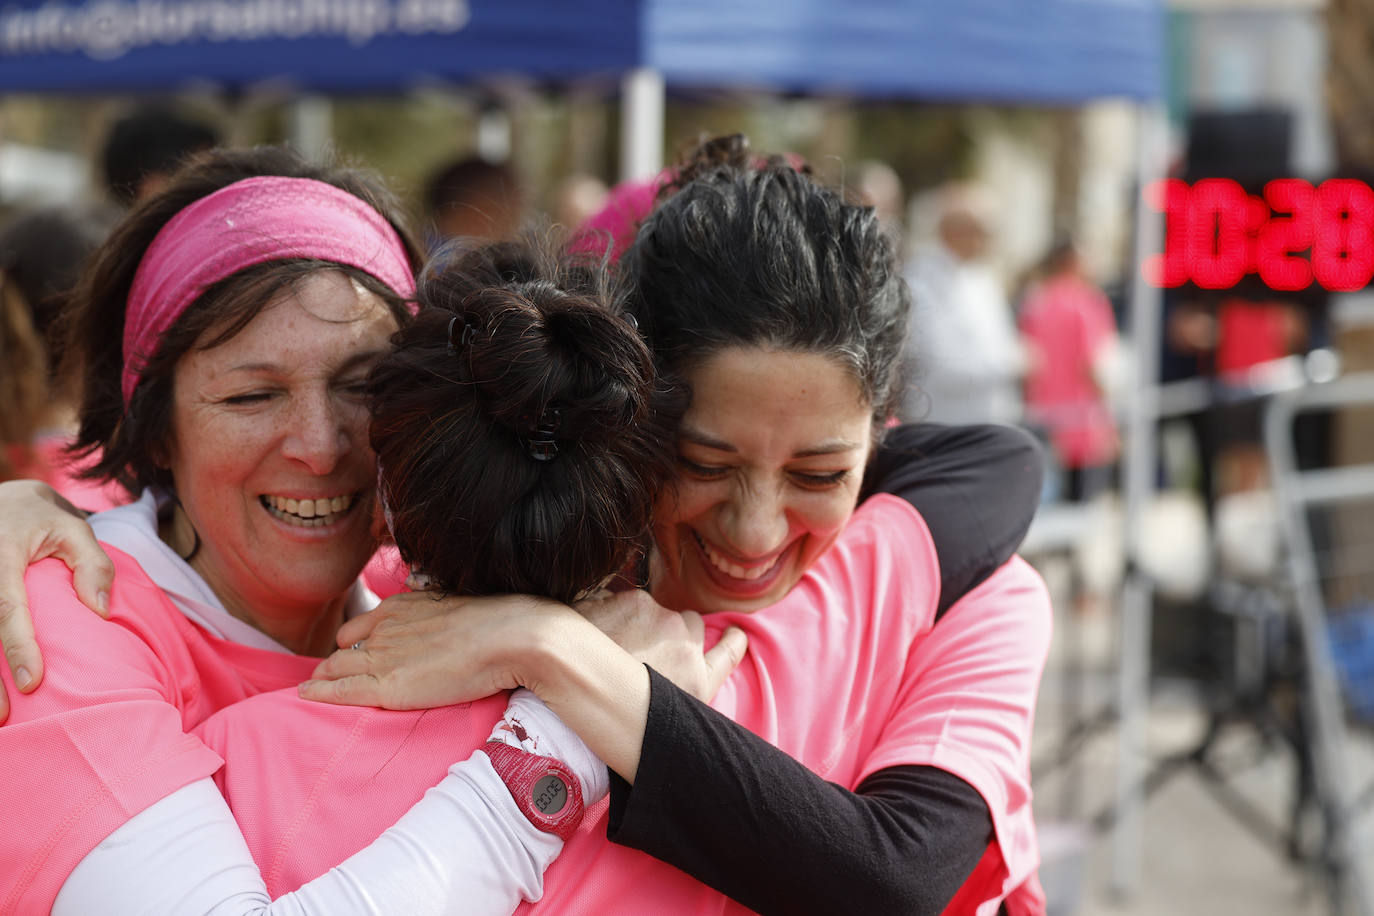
[[269, 218]]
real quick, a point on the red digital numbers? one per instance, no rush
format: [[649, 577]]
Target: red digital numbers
[[1216, 234], [1173, 198], [1342, 257], [1288, 233]]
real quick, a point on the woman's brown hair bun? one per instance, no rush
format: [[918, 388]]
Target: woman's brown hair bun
[[520, 425]]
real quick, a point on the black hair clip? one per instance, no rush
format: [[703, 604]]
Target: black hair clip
[[542, 445], [464, 339]]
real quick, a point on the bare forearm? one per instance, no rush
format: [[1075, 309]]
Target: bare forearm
[[597, 688], [419, 651]]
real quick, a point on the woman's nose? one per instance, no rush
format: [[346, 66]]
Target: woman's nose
[[320, 434], [755, 522]]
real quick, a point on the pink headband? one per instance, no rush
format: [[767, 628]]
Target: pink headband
[[268, 218]]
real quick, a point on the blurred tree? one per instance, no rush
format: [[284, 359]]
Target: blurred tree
[[1350, 86], [405, 137], [1066, 126], [1350, 81], [927, 144]]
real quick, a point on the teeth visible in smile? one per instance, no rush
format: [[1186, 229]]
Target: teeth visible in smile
[[732, 569], [307, 513]]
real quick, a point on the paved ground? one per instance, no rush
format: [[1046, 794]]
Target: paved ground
[[1197, 856]]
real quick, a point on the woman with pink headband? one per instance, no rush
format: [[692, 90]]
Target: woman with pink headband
[[229, 326]]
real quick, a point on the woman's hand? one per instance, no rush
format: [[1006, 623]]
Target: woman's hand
[[670, 642], [39, 523], [419, 650]]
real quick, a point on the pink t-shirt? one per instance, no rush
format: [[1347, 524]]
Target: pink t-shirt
[[846, 674], [612, 228], [107, 734], [386, 573], [47, 461], [310, 784], [1067, 321]]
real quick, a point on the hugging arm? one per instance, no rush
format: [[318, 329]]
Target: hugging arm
[[908, 836], [40, 523], [465, 847], [459, 850], [113, 809], [926, 827], [976, 487], [708, 795], [742, 816]]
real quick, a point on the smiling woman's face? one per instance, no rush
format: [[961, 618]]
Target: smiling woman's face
[[269, 450], [771, 456]]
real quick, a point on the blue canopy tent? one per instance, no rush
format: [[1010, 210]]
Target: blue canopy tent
[[1014, 51], [1048, 51], [1051, 51], [332, 46]]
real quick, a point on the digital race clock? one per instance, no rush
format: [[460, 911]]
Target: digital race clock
[[1291, 235]]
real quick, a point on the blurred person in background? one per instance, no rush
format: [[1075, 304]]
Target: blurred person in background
[[612, 229], [964, 359], [1073, 351], [23, 383], [579, 197], [879, 187], [41, 253], [473, 198], [145, 147]]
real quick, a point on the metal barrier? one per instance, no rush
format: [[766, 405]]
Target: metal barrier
[[1298, 491]]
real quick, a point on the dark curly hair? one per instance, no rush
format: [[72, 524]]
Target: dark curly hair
[[125, 442], [743, 251], [519, 424]]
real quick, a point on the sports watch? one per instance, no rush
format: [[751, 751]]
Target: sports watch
[[544, 789]]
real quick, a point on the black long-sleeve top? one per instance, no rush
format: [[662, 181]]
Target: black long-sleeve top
[[777, 837]]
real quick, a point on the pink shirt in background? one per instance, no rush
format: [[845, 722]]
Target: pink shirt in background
[[847, 674], [45, 460], [1068, 321], [613, 227], [386, 573]]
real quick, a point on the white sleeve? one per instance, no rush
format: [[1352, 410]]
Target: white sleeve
[[529, 724], [463, 848]]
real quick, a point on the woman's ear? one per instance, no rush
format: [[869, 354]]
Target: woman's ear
[[163, 449], [160, 453], [379, 526]]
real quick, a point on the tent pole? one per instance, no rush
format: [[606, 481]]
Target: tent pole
[[494, 133], [311, 126], [1139, 475], [641, 124]]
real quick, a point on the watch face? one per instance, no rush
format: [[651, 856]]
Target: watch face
[[543, 788], [550, 795]]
